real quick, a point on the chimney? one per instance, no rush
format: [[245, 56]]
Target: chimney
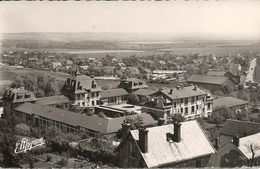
[[170, 91], [125, 129], [195, 88], [236, 141], [143, 140], [177, 132], [217, 143], [161, 121], [182, 86]]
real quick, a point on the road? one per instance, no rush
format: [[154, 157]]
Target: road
[[250, 74]]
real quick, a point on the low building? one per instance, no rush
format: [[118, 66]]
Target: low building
[[233, 128], [212, 83], [14, 97], [239, 152], [132, 84], [56, 65], [234, 104], [190, 101], [66, 121], [82, 90], [114, 96], [172, 145]]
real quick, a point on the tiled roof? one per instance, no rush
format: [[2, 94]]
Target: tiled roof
[[145, 92], [240, 128], [228, 102], [219, 80], [245, 142], [85, 82], [216, 73], [113, 93], [183, 92], [193, 144], [95, 123], [53, 100]]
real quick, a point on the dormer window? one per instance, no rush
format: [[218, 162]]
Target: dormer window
[[26, 96], [19, 96]]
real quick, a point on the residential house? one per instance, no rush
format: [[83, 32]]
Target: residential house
[[13, 97], [212, 83], [82, 90], [172, 145], [239, 152], [113, 96], [47, 116], [132, 84], [234, 104], [55, 65], [190, 101]]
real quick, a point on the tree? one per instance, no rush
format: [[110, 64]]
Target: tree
[[203, 68], [177, 117], [133, 99], [220, 115], [135, 123]]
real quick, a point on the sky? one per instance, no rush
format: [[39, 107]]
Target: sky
[[219, 18]]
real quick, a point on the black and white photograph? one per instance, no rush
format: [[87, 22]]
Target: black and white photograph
[[130, 84]]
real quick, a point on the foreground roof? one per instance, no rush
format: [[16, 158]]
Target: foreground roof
[[95, 123], [113, 93], [245, 142], [183, 92], [228, 102], [193, 144], [240, 128], [219, 80]]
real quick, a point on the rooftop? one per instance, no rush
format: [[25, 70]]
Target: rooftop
[[219, 80], [216, 73], [113, 93], [245, 142], [240, 128], [95, 123], [161, 152], [145, 92], [53, 100], [184, 92], [228, 102], [126, 107]]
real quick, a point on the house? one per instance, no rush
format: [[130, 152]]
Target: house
[[190, 101], [239, 152], [239, 128], [53, 100], [132, 84], [82, 90], [211, 83], [113, 96], [56, 65], [234, 104], [143, 94], [172, 145], [47, 116], [13, 97]]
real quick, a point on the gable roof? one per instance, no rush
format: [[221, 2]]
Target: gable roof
[[85, 82], [98, 124], [240, 128], [145, 92], [228, 102], [218, 80], [161, 152], [183, 92], [52, 100], [113, 93], [245, 142]]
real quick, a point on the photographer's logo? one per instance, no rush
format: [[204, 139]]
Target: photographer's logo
[[25, 145]]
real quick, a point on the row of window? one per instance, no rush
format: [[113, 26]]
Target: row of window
[[82, 96], [186, 100]]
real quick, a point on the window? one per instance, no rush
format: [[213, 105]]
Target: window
[[181, 110], [197, 106], [208, 106], [186, 110], [192, 109], [27, 96], [181, 100], [203, 99], [19, 96], [93, 103], [97, 94], [83, 104], [93, 94], [168, 113], [197, 97], [174, 104], [192, 100], [198, 163], [186, 100]]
